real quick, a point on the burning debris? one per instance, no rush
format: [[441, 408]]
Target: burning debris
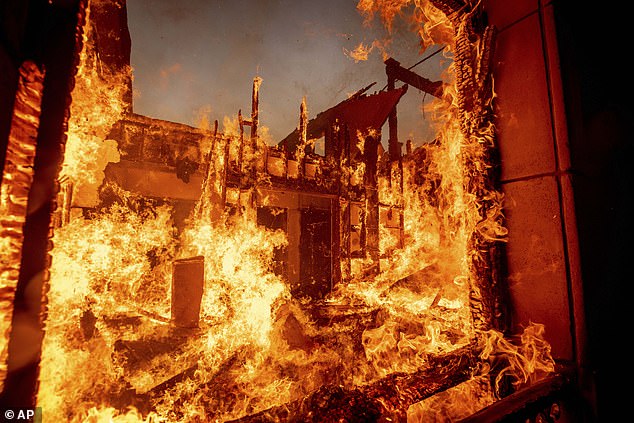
[[200, 275]]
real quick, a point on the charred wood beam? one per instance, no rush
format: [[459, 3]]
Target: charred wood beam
[[361, 91], [483, 69], [225, 168], [208, 175], [300, 153], [255, 121], [465, 61], [395, 72], [335, 245], [218, 384], [473, 46], [385, 400], [337, 208], [344, 234], [398, 392], [213, 191], [394, 147], [448, 7], [343, 143], [371, 218], [210, 154], [241, 123], [521, 404]]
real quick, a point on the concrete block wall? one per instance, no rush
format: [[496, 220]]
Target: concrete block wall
[[542, 258]]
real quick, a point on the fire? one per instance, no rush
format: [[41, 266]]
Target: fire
[[525, 363], [93, 286], [360, 53], [388, 10], [97, 104], [112, 415], [111, 354], [238, 282]]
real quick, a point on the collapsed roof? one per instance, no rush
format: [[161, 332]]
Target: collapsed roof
[[359, 112]]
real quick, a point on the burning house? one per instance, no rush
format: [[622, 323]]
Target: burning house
[[154, 271]]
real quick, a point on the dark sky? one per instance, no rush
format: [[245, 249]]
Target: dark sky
[[202, 55]]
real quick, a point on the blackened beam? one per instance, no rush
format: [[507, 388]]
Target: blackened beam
[[516, 406], [255, 120], [384, 400], [362, 91], [395, 71]]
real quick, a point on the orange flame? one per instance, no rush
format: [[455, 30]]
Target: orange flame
[[387, 10], [97, 104], [256, 346], [360, 53]]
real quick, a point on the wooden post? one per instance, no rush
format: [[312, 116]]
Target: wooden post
[[333, 136], [300, 152], [211, 173], [371, 224], [255, 119], [342, 153], [241, 178], [394, 147], [241, 146], [225, 168], [285, 152]]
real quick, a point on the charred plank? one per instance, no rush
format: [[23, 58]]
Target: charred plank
[[388, 398]]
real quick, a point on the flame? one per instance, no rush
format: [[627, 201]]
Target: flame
[[98, 102], [256, 346], [360, 53], [528, 361], [238, 256], [92, 283], [387, 10], [455, 403], [112, 415], [521, 363]]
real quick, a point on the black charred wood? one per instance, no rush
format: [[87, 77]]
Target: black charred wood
[[185, 168], [385, 400], [448, 7], [395, 71], [525, 404]]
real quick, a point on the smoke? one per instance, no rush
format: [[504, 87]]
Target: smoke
[[296, 47]]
